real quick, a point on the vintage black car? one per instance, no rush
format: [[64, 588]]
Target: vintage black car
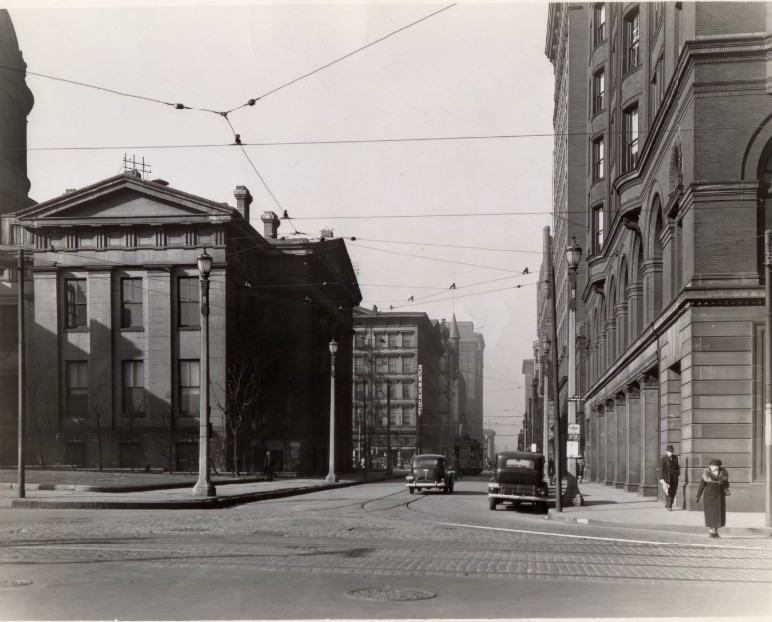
[[516, 477], [430, 471]]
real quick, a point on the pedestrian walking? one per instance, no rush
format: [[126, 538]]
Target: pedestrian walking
[[268, 466], [551, 470], [579, 469], [714, 486], [669, 470]]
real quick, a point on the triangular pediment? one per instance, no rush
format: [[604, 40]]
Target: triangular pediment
[[125, 199]]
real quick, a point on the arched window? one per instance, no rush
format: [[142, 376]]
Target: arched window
[[656, 256]]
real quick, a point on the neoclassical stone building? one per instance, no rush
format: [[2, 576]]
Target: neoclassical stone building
[[678, 165]]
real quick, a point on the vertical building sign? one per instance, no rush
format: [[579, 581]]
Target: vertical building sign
[[420, 390]]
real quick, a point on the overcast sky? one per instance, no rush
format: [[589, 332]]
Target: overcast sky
[[473, 70]]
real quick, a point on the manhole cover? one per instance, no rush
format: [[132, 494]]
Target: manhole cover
[[17, 583], [391, 594]]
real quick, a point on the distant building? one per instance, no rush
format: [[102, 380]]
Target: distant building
[[663, 109], [471, 355], [397, 367]]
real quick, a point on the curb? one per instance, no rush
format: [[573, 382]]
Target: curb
[[736, 531], [119, 489], [209, 503]]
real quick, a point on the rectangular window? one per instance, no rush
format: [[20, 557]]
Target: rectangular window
[[17, 238], [632, 39], [392, 340], [598, 159], [395, 415], [131, 302], [380, 365], [393, 365], [631, 137], [407, 365], [407, 340], [9, 329], [360, 340], [408, 416], [190, 387], [657, 86], [600, 23], [380, 390], [598, 91], [407, 392], [597, 228], [133, 389], [359, 391], [189, 299], [75, 300], [76, 386], [359, 365], [380, 340], [394, 390]]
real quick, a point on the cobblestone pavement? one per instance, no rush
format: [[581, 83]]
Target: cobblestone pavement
[[380, 530]]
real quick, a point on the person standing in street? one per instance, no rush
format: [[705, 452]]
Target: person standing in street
[[268, 467], [668, 476], [714, 485]]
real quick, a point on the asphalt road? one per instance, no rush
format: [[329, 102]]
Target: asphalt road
[[370, 551]]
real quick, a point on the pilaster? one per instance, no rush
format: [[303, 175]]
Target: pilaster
[[620, 472], [611, 442], [649, 434], [634, 444]]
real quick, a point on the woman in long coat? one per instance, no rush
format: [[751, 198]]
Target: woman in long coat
[[714, 484]]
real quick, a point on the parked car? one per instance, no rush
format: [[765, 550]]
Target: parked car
[[430, 471], [517, 477]]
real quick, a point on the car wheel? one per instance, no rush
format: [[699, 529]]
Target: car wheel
[[491, 503], [410, 489], [541, 507]]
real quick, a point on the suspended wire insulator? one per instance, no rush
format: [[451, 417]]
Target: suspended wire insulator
[[179, 106], [237, 139], [223, 114], [251, 102]]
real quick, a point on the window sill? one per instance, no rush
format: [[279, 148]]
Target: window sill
[[132, 329], [77, 329], [189, 328], [597, 113], [628, 72]]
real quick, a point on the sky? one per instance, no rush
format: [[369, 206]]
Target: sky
[[431, 146]]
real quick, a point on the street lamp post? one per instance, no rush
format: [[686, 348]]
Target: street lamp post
[[331, 476], [204, 486], [573, 257]]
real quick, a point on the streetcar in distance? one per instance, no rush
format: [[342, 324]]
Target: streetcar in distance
[[469, 456]]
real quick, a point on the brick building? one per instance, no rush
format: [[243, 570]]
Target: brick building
[[676, 162], [394, 351]]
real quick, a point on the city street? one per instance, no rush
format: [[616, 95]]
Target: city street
[[370, 551]]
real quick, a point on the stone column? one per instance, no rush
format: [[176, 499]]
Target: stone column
[[611, 442], [634, 310], [601, 359], [652, 298], [620, 472], [611, 343], [622, 329], [634, 444], [649, 434]]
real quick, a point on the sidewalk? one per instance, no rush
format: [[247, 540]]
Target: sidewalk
[[612, 506], [178, 497]]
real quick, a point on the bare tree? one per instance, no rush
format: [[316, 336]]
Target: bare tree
[[239, 403], [165, 441], [38, 421]]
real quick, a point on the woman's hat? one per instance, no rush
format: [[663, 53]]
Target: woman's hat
[[715, 462], [669, 448]]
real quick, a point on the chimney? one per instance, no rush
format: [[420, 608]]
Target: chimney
[[243, 201], [270, 224]]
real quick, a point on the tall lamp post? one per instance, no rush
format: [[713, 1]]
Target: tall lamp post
[[204, 486], [388, 426], [573, 257], [331, 476], [545, 430]]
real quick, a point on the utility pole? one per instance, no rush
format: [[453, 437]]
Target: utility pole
[[22, 374], [555, 390], [768, 378], [388, 425]]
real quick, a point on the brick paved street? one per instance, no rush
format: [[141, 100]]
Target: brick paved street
[[374, 534]]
